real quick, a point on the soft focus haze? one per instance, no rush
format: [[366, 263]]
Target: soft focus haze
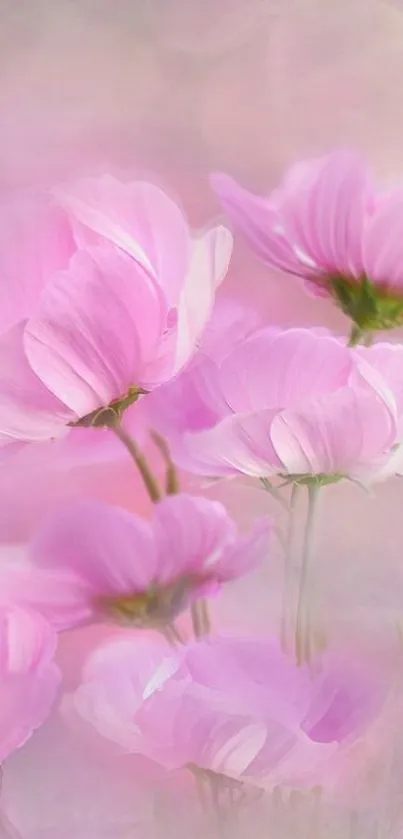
[[173, 90]]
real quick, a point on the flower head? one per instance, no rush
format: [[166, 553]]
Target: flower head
[[122, 318], [107, 564], [295, 403], [235, 707], [327, 225]]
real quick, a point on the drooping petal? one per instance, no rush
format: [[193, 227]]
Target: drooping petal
[[137, 217], [208, 266], [349, 691], [107, 547], [258, 221], [191, 534], [59, 594], [324, 216], [240, 444], [344, 432], [383, 246], [28, 410], [279, 368], [98, 325]]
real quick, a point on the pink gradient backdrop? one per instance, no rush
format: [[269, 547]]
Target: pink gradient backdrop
[[176, 89]]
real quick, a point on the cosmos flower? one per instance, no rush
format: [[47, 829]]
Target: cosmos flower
[[122, 318], [295, 403], [238, 708], [106, 564], [329, 226]]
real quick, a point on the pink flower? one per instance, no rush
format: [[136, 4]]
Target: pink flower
[[235, 707], [107, 564], [327, 225], [120, 320], [295, 404], [28, 677]]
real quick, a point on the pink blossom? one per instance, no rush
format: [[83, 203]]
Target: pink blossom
[[120, 320], [294, 402], [236, 707], [327, 225], [106, 564], [28, 677]]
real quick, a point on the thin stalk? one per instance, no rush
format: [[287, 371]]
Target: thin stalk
[[274, 491], [303, 629], [287, 624], [172, 478], [200, 618], [150, 482]]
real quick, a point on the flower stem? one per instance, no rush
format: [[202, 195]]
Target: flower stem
[[150, 482], [287, 622], [172, 478], [200, 618], [303, 628]]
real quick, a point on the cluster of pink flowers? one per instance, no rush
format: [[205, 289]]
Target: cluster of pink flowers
[[111, 336]]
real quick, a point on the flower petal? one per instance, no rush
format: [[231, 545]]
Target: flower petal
[[97, 327], [137, 217], [208, 266], [240, 444], [340, 433], [257, 220], [28, 411], [191, 534], [279, 368], [107, 547], [383, 245], [324, 216]]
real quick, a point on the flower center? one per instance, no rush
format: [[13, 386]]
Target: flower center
[[156, 607], [370, 306], [109, 416]]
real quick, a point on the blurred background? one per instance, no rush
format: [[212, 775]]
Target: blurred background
[[172, 90]]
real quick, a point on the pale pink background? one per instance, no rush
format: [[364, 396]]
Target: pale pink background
[[174, 89]]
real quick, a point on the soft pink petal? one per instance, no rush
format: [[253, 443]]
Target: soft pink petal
[[59, 594], [28, 411], [383, 245], [35, 242], [257, 220], [208, 266], [191, 534], [137, 217], [282, 368], [344, 432], [28, 677], [107, 547], [98, 325], [386, 360], [118, 680], [240, 444], [349, 692], [324, 216]]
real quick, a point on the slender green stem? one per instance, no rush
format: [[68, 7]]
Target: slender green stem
[[172, 478], [303, 628], [150, 482], [287, 622]]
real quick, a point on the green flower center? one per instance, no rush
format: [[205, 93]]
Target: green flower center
[[370, 306], [154, 608], [110, 415]]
